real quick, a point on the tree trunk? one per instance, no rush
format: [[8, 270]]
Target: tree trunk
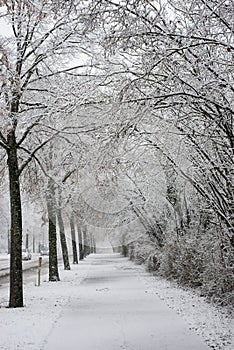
[[53, 259], [81, 247], [124, 250], [86, 243], [94, 246], [63, 240], [93, 249], [73, 236], [91, 243], [16, 276]]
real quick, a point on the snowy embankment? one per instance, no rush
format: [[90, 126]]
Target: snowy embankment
[[32, 327]]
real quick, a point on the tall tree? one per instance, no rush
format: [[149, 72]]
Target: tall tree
[[51, 209], [63, 239], [182, 73], [81, 245], [73, 237], [38, 36]]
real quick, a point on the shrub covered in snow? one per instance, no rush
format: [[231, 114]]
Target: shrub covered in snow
[[195, 258]]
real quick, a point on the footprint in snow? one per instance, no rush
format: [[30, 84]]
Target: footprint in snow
[[102, 290]]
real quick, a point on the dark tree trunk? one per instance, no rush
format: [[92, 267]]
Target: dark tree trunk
[[86, 242], [94, 246], [53, 259], [16, 278], [124, 250], [92, 243], [81, 247], [63, 240], [73, 237]]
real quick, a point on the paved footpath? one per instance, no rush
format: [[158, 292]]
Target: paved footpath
[[113, 311]]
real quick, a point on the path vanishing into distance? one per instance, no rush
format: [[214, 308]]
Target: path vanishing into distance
[[113, 310]]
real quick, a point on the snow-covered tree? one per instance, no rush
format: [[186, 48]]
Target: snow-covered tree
[[42, 37]]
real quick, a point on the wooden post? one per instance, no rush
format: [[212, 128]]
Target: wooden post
[[39, 270]]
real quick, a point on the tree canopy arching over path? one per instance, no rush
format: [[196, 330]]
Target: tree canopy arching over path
[[154, 127]]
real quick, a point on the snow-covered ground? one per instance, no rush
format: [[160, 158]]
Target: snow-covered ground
[[107, 302], [213, 323]]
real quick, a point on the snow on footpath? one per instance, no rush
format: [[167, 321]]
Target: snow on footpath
[[215, 324], [107, 303], [113, 311]]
